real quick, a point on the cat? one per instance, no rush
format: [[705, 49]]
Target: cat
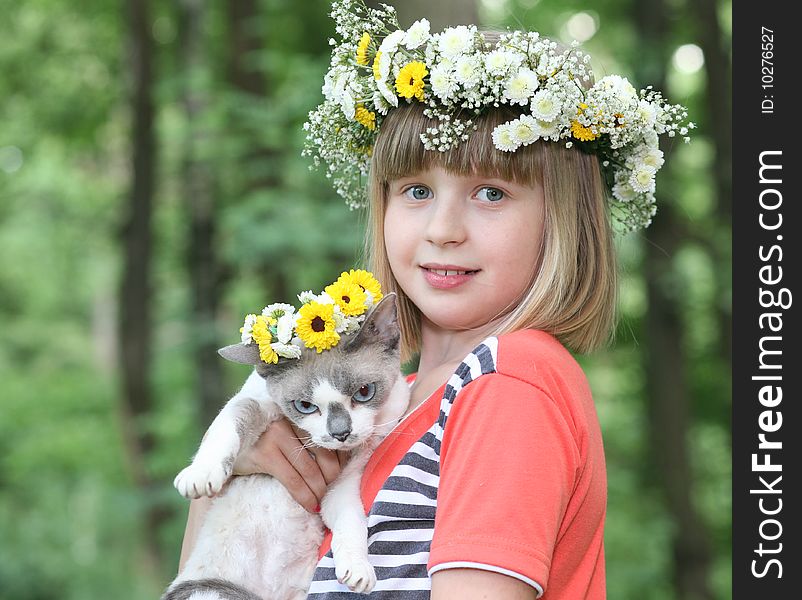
[[256, 542]]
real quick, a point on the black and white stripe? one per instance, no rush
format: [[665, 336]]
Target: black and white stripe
[[401, 519]]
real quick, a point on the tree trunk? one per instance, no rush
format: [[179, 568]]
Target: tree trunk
[[199, 190], [668, 396], [135, 292], [718, 106]]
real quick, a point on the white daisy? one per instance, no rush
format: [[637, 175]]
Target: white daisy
[[623, 192], [286, 350], [284, 327], [504, 138], [455, 40], [544, 106], [466, 70], [307, 296], [521, 86], [642, 179], [247, 329], [417, 34], [499, 62], [525, 130], [443, 82]]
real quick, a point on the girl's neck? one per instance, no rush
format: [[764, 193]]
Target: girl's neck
[[443, 347]]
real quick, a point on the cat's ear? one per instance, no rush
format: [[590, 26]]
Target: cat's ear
[[380, 326], [245, 354]]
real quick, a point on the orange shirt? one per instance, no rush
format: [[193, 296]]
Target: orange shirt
[[501, 469]]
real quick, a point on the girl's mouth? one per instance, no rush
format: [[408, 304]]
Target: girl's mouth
[[447, 278]]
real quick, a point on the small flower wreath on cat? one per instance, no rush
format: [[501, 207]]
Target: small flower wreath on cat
[[458, 75], [280, 331]]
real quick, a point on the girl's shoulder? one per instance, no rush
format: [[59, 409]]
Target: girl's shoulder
[[539, 359]]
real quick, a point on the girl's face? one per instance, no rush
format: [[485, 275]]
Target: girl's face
[[464, 249]]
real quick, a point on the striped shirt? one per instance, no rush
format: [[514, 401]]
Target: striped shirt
[[402, 482]]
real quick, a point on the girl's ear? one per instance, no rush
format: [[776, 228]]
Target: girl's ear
[[380, 326], [245, 354]]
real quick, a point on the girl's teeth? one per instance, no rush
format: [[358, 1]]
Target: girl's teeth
[[442, 272]]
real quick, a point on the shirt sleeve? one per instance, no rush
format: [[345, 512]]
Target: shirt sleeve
[[509, 461]]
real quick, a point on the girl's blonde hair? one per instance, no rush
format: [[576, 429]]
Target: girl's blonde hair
[[573, 293]]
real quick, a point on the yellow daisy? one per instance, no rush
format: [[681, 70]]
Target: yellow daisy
[[365, 280], [376, 73], [362, 50], [315, 326], [349, 296], [582, 133], [409, 82], [365, 117], [263, 337]]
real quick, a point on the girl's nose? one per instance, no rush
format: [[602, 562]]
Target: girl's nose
[[446, 224]]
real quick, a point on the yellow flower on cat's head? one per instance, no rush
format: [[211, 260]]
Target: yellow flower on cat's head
[[316, 326], [349, 296], [365, 280], [263, 337]]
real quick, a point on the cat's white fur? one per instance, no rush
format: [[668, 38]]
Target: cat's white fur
[[234, 531]]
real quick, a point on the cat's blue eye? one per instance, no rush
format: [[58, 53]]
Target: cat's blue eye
[[304, 407], [417, 192], [365, 393], [492, 194]]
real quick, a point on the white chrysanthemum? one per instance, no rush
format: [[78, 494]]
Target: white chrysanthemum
[[387, 93], [417, 34], [521, 86], [369, 299], [390, 44], [307, 296], [504, 137], [548, 129], [620, 86], [499, 62], [623, 192], [653, 157], [443, 82], [247, 329], [544, 106], [340, 321], [286, 350], [642, 179], [284, 327], [646, 113], [525, 130], [353, 324], [278, 309], [466, 70], [455, 40]]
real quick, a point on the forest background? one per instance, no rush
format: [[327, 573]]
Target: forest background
[[152, 192]]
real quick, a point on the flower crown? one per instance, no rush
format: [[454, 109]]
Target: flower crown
[[280, 331], [455, 73]]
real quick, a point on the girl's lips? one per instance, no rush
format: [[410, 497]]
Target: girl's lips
[[444, 279]]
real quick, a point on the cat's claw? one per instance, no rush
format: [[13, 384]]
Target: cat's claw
[[200, 479], [356, 573]]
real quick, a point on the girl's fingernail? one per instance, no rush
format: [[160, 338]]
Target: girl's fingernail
[[317, 508]]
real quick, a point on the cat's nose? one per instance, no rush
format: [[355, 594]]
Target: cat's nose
[[341, 435]]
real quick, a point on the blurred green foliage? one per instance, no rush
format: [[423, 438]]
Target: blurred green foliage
[[70, 514]]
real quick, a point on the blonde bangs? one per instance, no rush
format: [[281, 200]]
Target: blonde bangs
[[402, 153]]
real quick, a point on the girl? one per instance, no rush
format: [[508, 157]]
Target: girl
[[489, 161]]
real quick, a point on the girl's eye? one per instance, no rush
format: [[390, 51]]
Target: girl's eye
[[418, 192], [365, 393], [491, 194], [304, 407]]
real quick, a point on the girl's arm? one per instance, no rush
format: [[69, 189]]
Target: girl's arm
[[476, 584]]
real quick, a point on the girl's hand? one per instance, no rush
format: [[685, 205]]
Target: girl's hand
[[305, 473]]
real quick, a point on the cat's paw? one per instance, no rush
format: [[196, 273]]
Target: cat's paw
[[355, 572], [202, 479]]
